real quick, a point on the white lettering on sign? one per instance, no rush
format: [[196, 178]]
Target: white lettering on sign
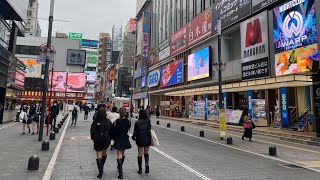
[[284, 102], [290, 5]]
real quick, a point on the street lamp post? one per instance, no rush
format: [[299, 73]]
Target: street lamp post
[[47, 53]]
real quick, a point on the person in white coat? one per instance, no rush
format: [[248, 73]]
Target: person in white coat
[[113, 116]]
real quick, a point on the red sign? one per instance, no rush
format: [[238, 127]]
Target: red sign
[[200, 27], [196, 30], [131, 25], [125, 104]]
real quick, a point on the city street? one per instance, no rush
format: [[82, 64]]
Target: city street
[[179, 156]]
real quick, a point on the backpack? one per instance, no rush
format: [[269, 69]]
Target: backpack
[[100, 132], [74, 111]]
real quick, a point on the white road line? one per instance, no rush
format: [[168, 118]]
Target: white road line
[[257, 140], [8, 126], [179, 163], [48, 173], [246, 151]]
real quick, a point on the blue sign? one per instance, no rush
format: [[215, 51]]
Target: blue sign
[[146, 22], [154, 78], [172, 73], [90, 43], [137, 73], [225, 95], [250, 109], [143, 81], [284, 107], [206, 107]]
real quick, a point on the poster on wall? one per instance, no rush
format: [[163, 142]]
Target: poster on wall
[[235, 116], [172, 73], [295, 37], [259, 112], [198, 64], [165, 105], [76, 82], [229, 12], [255, 47]]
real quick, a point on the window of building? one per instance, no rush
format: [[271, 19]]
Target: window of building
[[198, 7], [207, 3], [178, 12], [190, 10], [29, 13], [28, 50], [168, 20], [173, 17], [184, 12]]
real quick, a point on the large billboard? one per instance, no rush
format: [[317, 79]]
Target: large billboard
[[172, 73], [197, 29], [76, 57], [229, 12], [92, 57], [255, 47], [198, 64], [33, 67], [76, 82], [295, 37]]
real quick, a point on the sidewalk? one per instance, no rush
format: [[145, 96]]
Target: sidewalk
[[16, 149], [284, 134]]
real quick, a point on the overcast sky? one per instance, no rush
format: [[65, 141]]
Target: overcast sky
[[89, 17]]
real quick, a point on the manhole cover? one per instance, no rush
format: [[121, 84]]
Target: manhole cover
[[290, 166], [79, 138]]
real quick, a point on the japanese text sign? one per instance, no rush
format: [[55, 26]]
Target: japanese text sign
[[230, 11], [76, 57], [200, 27]]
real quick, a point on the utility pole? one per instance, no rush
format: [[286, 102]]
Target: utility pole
[[46, 72]]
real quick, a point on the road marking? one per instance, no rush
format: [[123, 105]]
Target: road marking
[[8, 125], [257, 140], [48, 173], [179, 163], [246, 151]]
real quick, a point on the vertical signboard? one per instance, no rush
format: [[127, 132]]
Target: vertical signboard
[[75, 35], [254, 47], [316, 95], [295, 37], [284, 107], [92, 57], [229, 12], [145, 43], [250, 108]]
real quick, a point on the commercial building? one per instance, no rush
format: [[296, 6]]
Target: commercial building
[[105, 74], [267, 61], [32, 24], [12, 15]]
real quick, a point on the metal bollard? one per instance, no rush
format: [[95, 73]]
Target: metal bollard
[[229, 140], [158, 122], [59, 125], [33, 163], [201, 133], [182, 128], [56, 130], [52, 136], [168, 125], [136, 117], [45, 145], [273, 151]]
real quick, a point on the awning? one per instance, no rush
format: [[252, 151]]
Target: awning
[[260, 84]]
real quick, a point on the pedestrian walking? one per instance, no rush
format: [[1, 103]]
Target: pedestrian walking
[[18, 110], [35, 118], [113, 116], [131, 110], [142, 136], [86, 112], [121, 138], [101, 135], [24, 117], [75, 111], [248, 127], [148, 111], [158, 111], [54, 112]]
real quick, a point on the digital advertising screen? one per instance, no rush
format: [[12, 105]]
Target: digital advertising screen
[[295, 37], [91, 76], [144, 81], [172, 73], [58, 82], [198, 64], [76, 82]]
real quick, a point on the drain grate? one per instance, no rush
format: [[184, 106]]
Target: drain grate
[[290, 166]]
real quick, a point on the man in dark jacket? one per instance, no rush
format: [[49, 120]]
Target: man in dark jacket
[[54, 111]]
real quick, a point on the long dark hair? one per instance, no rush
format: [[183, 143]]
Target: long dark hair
[[101, 115], [122, 113]]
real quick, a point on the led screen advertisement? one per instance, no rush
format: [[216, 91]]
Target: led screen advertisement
[[198, 64], [76, 82], [33, 67], [144, 81], [295, 37], [91, 76], [172, 73]]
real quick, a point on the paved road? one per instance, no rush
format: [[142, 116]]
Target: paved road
[[186, 156]]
